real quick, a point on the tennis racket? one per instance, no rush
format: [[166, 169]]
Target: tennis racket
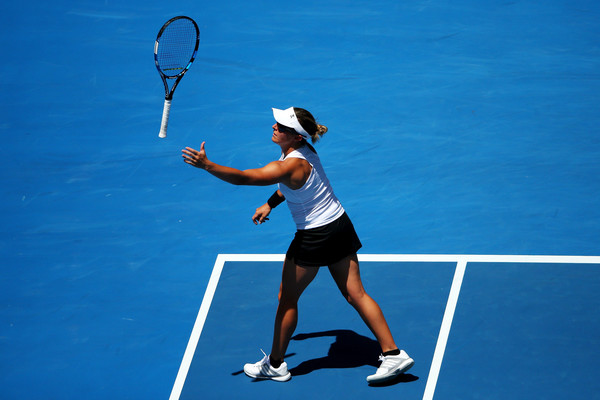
[[174, 52]]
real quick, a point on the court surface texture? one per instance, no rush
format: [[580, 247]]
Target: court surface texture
[[463, 143]]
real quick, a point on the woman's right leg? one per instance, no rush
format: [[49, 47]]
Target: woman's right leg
[[294, 279], [346, 274]]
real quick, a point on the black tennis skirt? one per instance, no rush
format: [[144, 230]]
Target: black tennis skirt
[[324, 245]]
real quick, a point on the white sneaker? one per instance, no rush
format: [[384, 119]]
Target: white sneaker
[[391, 366], [264, 370]]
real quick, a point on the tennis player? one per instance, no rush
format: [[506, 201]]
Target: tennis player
[[325, 237]]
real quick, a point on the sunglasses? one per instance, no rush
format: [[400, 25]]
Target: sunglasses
[[285, 129]]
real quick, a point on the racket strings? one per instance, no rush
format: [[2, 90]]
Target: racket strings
[[176, 47]]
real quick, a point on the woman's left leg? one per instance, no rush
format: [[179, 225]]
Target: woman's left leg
[[294, 279]]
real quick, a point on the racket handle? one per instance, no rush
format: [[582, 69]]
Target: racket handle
[[165, 119]]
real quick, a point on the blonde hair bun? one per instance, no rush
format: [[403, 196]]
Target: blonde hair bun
[[309, 124], [321, 129]]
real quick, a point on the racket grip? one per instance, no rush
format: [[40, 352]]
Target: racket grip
[[165, 119]]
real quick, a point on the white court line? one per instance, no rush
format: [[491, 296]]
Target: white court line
[[198, 325], [461, 261], [440, 347]]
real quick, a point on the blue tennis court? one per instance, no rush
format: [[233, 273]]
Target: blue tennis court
[[463, 140], [504, 343]]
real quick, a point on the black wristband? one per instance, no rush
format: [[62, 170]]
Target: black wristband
[[275, 200]]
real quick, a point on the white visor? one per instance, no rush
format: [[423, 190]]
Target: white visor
[[288, 118]]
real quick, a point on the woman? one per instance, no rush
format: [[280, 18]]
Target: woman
[[325, 237]]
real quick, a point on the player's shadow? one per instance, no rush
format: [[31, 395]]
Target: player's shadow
[[349, 350]]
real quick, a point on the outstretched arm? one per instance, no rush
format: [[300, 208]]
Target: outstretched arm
[[274, 172], [291, 172]]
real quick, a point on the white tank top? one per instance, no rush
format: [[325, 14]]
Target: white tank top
[[314, 204]]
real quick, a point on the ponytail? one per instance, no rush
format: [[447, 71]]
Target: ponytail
[[316, 131]]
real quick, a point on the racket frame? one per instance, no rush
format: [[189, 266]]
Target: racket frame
[[169, 92]]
